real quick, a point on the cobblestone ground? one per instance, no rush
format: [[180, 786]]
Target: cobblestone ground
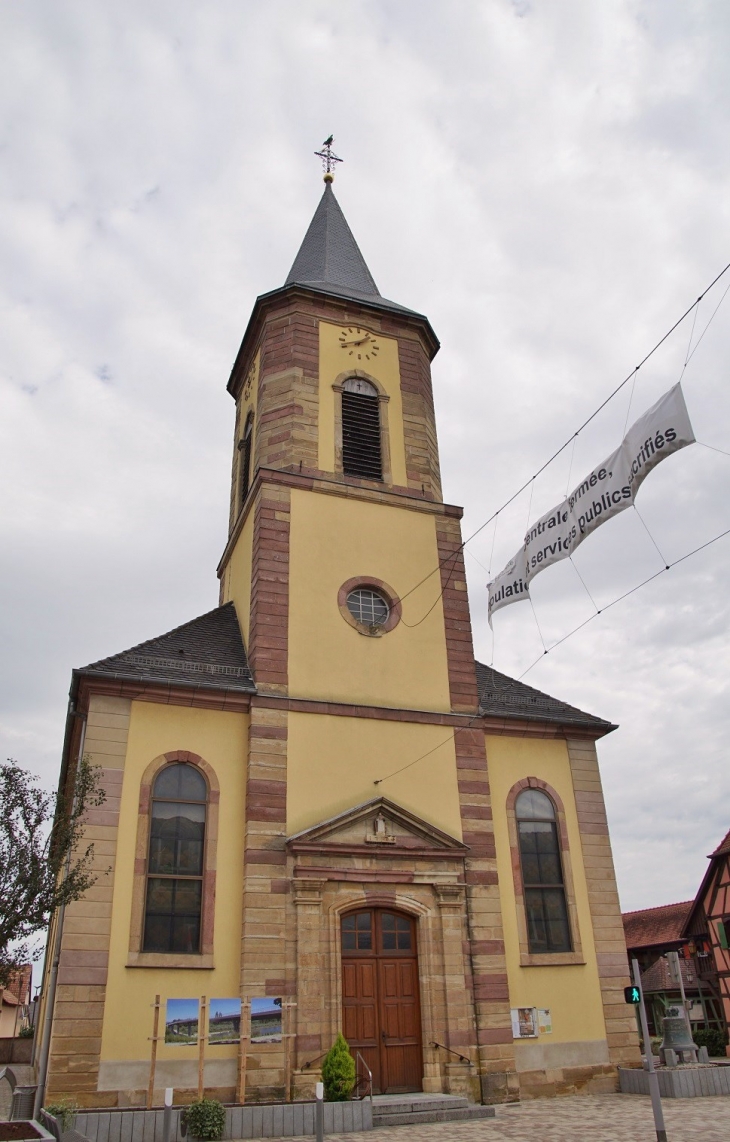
[[586, 1118]]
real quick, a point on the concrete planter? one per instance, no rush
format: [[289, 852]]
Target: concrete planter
[[268, 1120], [678, 1082]]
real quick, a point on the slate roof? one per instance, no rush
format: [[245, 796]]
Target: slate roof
[[504, 697], [650, 927], [329, 258], [208, 651]]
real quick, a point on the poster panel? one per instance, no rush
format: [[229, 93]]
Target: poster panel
[[181, 1022], [544, 1021], [266, 1020], [524, 1022], [224, 1021]]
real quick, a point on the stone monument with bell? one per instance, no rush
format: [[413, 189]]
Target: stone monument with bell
[[677, 1045]]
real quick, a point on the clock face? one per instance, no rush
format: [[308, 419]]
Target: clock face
[[358, 343]]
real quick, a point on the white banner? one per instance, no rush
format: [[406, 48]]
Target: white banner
[[607, 490]]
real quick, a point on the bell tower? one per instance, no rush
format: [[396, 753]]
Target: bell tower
[[333, 395], [346, 570]]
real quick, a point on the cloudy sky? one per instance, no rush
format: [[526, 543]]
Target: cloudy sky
[[546, 179]]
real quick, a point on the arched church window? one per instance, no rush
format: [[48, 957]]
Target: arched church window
[[175, 863], [548, 929], [245, 446], [361, 444]]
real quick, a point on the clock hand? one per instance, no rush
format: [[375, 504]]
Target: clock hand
[[346, 344]]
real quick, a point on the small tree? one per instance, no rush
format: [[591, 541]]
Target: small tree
[[40, 868], [205, 1118], [338, 1071]]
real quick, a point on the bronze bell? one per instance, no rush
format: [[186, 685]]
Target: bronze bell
[[677, 1037]]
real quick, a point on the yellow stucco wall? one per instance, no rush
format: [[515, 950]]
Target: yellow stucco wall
[[333, 762], [332, 540], [221, 739], [572, 992], [384, 369], [237, 576], [237, 573]]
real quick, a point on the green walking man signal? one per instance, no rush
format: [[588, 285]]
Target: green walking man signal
[[632, 995]]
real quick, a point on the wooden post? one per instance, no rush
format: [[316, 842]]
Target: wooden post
[[153, 1053], [242, 1049], [201, 1048]]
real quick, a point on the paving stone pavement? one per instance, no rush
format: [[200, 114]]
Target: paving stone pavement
[[579, 1118]]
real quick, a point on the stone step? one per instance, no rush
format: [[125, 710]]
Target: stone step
[[453, 1114], [390, 1104]]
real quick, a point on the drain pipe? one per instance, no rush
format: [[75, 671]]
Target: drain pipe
[[45, 1047], [473, 985]]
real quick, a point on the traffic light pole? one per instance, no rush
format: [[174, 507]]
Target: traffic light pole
[[656, 1102]]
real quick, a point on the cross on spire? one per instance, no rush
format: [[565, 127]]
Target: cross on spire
[[329, 159]]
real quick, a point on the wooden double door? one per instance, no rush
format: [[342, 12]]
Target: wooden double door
[[380, 1004]]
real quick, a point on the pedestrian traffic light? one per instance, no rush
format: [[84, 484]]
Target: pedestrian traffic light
[[632, 995]]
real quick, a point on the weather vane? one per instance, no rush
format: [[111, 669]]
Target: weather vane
[[329, 158]]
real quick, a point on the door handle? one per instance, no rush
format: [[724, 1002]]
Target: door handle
[[383, 1036]]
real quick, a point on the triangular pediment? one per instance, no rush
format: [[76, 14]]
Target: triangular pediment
[[379, 826]]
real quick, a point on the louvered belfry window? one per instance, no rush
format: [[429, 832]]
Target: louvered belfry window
[[245, 461], [361, 446]]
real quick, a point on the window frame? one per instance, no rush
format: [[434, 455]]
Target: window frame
[[390, 596], [543, 888], [177, 875], [136, 957], [383, 399], [543, 959]]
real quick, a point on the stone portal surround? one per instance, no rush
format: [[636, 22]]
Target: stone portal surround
[[437, 907]]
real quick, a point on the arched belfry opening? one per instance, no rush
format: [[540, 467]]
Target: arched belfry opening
[[362, 452]]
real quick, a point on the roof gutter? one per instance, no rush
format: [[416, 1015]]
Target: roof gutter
[[45, 1042]]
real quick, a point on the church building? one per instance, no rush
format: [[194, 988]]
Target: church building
[[317, 801]]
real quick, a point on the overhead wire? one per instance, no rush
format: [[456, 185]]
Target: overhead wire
[[560, 641], [572, 439], [625, 595], [577, 432]]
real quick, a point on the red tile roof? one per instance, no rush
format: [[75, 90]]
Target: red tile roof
[[19, 984], [723, 847], [650, 927], [656, 978]]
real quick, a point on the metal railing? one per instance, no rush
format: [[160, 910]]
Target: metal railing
[[307, 1065], [442, 1046], [360, 1082]]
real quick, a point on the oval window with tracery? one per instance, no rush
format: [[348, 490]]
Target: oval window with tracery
[[368, 606]]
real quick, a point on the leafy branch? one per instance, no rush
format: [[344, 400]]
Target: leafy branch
[[41, 868]]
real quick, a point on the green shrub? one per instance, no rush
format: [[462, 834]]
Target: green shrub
[[204, 1118], [26, 1032], [713, 1039], [64, 1110], [338, 1071]]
